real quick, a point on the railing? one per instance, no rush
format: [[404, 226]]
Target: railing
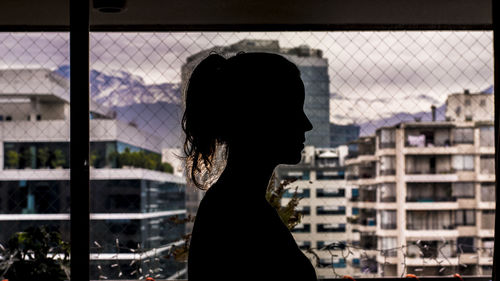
[[443, 227], [388, 225], [431, 199], [388, 199], [388, 172], [383, 145]]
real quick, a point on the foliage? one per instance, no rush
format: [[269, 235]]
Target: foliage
[[12, 159], [93, 157], [139, 159], [31, 255], [27, 156], [288, 213], [43, 156], [59, 159], [167, 168]]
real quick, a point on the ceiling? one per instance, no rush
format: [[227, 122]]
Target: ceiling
[[256, 15]]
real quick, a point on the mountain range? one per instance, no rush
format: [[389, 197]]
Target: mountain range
[[157, 109]]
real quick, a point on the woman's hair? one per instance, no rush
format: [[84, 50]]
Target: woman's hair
[[213, 101]]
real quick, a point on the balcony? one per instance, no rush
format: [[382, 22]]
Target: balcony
[[431, 199]]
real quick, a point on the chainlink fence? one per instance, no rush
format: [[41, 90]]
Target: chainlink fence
[[397, 176]]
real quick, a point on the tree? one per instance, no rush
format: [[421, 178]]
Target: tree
[[31, 255], [43, 156], [13, 159], [27, 157], [58, 160], [274, 195]]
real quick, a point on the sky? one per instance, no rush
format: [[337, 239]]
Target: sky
[[372, 74]]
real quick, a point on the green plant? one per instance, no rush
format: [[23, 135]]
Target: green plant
[[35, 254], [58, 160], [12, 159], [288, 213], [43, 156], [93, 158], [27, 156], [166, 167], [113, 160], [125, 158]]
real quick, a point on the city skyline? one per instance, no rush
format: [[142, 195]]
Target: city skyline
[[371, 73]]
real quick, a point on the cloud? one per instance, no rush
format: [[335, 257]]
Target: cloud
[[372, 72]]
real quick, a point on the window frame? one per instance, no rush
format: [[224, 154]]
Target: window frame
[[79, 27]]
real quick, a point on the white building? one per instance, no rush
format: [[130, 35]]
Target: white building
[[131, 203], [426, 190], [324, 191]]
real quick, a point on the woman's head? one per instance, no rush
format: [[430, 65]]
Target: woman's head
[[251, 102]]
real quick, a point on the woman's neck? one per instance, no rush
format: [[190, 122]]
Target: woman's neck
[[246, 175]]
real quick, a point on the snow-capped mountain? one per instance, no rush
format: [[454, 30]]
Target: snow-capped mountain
[[121, 88], [154, 108]]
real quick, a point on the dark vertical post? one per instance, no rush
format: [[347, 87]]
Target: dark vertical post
[[79, 138], [496, 80]]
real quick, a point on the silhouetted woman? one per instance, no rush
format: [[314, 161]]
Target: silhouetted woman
[[252, 105]]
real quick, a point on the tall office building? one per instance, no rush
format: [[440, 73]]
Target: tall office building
[[426, 191], [343, 134], [132, 205]]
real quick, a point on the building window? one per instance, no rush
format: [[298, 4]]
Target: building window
[[387, 165], [488, 219], [387, 192], [304, 245], [462, 162], [463, 135], [330, 192], [301, 193], [488, 192], [304, 210], [428, 220], [465, 245], [388, 219], [467, 102], [331, 245], [487, 164], [465, 217], [387, 138], [463, 190], [429, 192], [487, 136], [329, 175], [330, 227], [330, 210], [329, 262], [302, 228], [482, 103], [389, 246]]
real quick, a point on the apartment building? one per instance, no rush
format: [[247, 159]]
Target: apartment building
[[321, 185], [425, 192], [134, 197]]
